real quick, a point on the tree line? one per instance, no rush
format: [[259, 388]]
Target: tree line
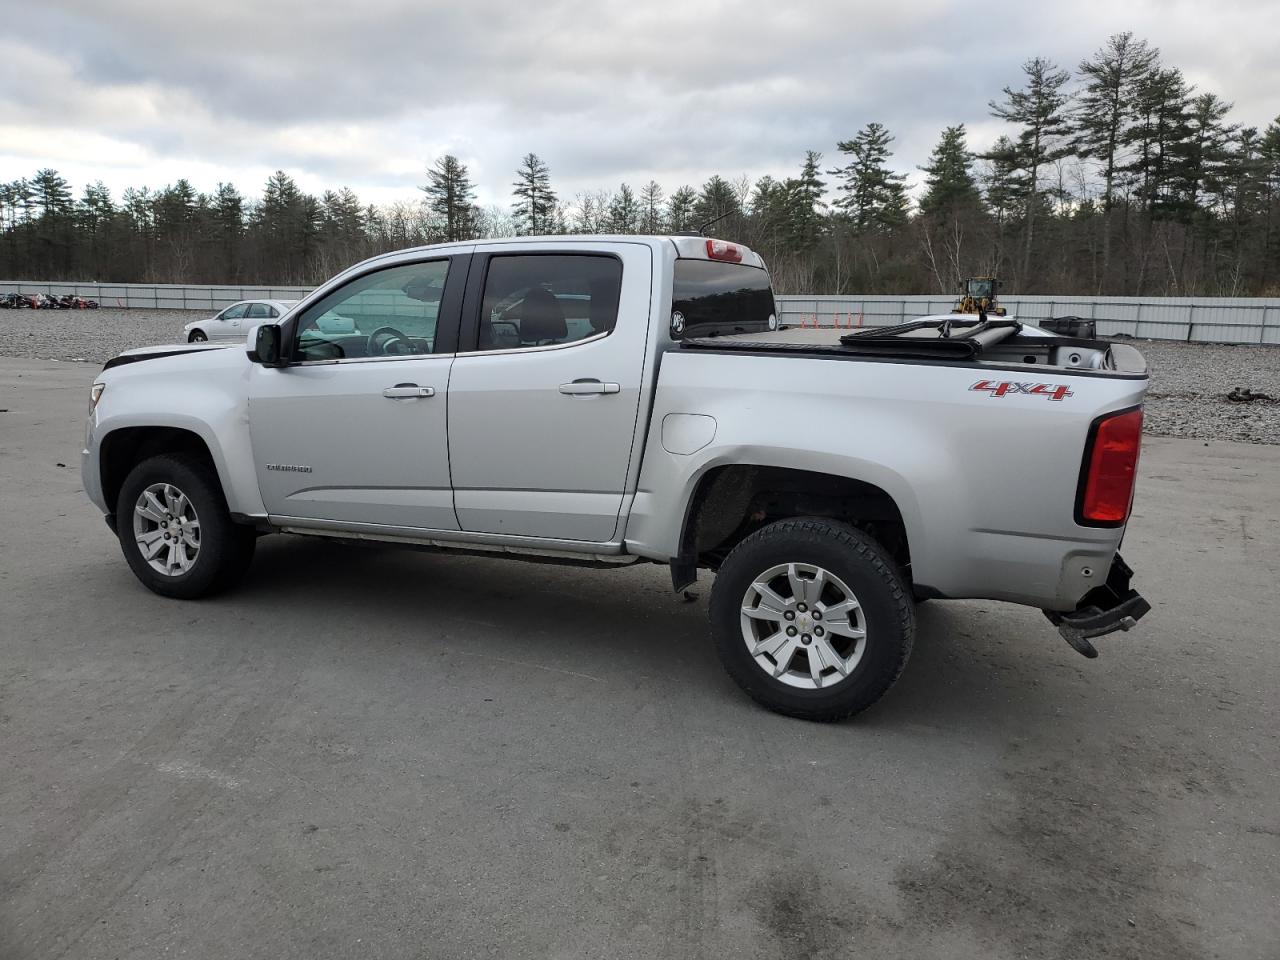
[[1119, 178]]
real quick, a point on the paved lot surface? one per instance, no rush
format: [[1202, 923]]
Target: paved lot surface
[[372, 753]]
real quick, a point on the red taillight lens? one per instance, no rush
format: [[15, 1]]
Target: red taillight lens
[[720, 250], [1111, 469]]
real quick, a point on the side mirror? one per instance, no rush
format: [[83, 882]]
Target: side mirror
[[266, 345]]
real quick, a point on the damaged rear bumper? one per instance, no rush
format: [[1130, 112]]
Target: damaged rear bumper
[[1113, 606]]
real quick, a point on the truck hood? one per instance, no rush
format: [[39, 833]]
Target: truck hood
[[163, 350]]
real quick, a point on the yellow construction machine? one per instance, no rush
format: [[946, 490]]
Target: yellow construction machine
[[979, 296]]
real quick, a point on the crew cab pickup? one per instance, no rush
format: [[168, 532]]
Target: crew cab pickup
[[612, 400]]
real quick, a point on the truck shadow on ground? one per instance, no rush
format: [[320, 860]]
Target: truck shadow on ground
[[973, 663]]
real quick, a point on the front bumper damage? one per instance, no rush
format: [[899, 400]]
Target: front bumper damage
[[1113, 606]]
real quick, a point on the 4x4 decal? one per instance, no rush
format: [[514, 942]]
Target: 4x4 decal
[[1002, 388]]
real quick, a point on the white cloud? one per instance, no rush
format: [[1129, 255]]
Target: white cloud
[[366, 95]]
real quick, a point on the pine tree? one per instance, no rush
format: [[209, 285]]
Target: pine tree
[[1269, 201], [651, 208], [624, 212], [342, 229], [52, 193], [1202, 158], [95, 207], [1005, 181], [288, 223], [680, 210], [535, 205], [94, 216], [1039, 109], [341, 215], [174, 211], [136, 202], [227, 226], [872, 194], [451, 196], [716, 201], [770, 213], [895, 209], [54, 229], [1161, 106], [949, 180], [1106, 106], [805, 204]]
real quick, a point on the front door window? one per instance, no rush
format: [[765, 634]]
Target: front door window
[[387, 313]]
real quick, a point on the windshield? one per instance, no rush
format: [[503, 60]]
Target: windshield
[[710, 298]]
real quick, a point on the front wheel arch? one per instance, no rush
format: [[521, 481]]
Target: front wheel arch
[[124, 448]]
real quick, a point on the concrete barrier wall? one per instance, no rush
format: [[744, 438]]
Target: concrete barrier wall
[[1194, 319], [157, 296]]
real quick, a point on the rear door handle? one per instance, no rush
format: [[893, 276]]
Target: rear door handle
[[584, 388], [405, 391]]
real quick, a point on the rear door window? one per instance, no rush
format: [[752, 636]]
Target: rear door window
[[548, 299], [258, 311], [712, 298]]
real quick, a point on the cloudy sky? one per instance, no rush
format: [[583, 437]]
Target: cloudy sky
[[366, 94]]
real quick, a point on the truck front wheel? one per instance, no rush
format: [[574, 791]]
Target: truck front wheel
[[812, 618], [175, 530]]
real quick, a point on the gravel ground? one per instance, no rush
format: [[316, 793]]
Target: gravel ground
[[1190, 382], [93, 335], [1188, 389]]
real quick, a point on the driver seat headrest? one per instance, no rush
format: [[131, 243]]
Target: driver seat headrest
[[541, 317]]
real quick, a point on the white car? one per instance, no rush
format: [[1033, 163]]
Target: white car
[[235, 322]]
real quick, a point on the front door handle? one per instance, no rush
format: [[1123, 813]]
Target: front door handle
[[584, 388], [406, 391]]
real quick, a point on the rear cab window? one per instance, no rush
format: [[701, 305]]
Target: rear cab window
[[712, 298]]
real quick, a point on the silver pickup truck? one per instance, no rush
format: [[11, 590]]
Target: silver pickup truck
[[607, 401]]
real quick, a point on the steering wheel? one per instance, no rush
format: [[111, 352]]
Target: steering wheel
[[394, 344]]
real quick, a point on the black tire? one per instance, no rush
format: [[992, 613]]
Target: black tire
[[197, 336], [225, 548], [869, 572]]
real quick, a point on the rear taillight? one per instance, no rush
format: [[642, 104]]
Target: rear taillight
[[1110, 469], [720, 250]]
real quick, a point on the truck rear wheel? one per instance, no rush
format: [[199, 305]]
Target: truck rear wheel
[[812, 618], [176, 532]]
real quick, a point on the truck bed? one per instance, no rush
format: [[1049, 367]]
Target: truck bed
[[1014, 347]]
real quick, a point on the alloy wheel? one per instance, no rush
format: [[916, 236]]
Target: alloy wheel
[[803, 626], [167, 529]]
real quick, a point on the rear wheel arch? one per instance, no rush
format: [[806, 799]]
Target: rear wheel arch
[[729, 503]]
